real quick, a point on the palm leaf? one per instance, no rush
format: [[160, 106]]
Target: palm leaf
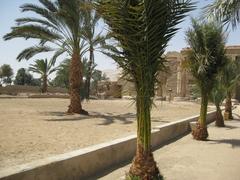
[[31, 51], [224, 11]]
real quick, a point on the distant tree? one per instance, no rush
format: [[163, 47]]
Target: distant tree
[[96, 76], [94, 41], [44, 68], [23, 77], [6, 73], [62, 75]]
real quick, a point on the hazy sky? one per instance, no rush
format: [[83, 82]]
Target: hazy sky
[[9, 11]]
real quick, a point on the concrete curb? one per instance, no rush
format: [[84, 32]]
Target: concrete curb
[[89, 161]]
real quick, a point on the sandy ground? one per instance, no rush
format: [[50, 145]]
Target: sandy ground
[[187, 159], [31, 129]]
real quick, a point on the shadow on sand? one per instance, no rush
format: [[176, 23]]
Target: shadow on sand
[[107, 118], [229, 127], [234, 142]]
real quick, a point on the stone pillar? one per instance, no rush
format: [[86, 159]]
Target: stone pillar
[[179, 81], [183, 83]]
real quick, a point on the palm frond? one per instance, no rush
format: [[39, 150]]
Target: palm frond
[[32, 31], [224, 11], [207, 54], [31, 51]]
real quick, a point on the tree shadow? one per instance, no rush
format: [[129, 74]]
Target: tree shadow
[[229, 127], [157, 120], [107, 118], [63, 116], [234, 142], [54, 113]]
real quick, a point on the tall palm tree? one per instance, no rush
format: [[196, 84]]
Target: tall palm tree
[[226, 11], [44, 68], [93, 39], [230, 79], [142, 29], [206, 58], [58, 24]]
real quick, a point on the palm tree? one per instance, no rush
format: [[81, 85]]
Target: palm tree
[[224, 11], [58, 24], [142, 29], [44, 68], [217, 96], [93, 39], [230, 79], [206, 58]]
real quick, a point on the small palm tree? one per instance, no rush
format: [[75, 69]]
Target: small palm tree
[[59, 24], [226, 11], [217, 96], [142, 29], [230, 79], [44, 68], [206, 58]]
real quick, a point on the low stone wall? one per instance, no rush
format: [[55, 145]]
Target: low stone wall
[[16, 89], [92, 160], [65, 96]]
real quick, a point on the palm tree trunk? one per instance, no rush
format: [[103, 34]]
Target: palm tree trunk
[[228, 105], [200, 132], [143, 166], [44, 87], [219, 117], [89, 73], [75, 81]]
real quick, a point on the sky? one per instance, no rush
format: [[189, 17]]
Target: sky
[[9, 11]]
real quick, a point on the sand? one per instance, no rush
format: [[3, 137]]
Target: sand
[[188, 159], [32, 129]]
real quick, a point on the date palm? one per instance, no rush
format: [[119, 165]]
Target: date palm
[[230, 79], [59, 29], [205, 59], [217, 96], [142, 29], [226, 11], [44, 68]]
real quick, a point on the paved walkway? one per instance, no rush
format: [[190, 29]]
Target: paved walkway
[[187, 159]]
